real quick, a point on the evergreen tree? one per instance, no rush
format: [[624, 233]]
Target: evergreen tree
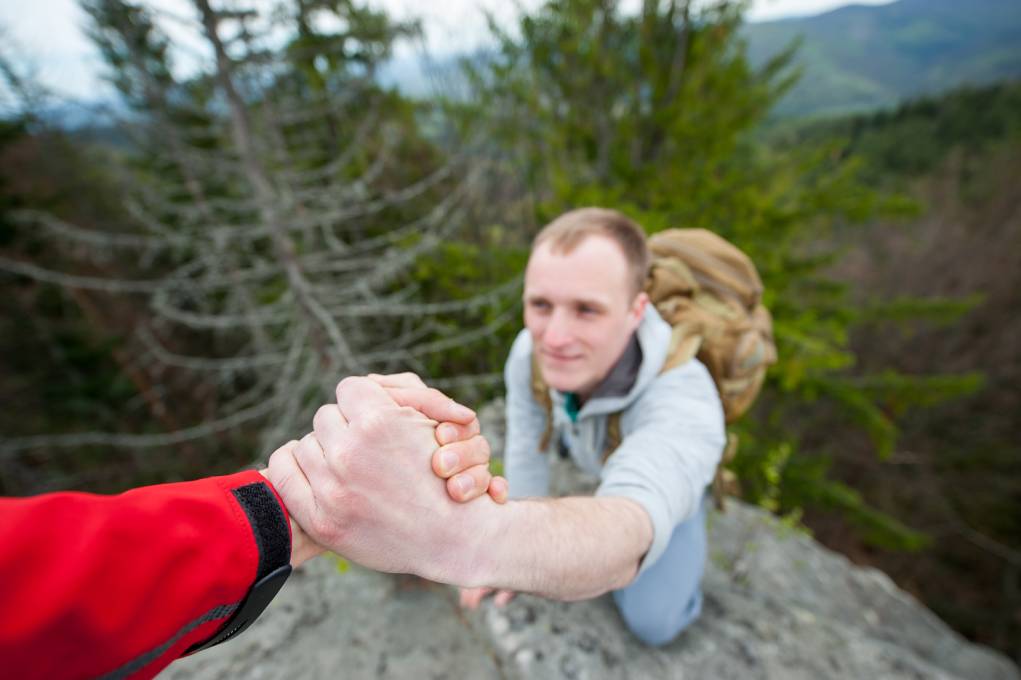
[[276, 207], [656, 113]]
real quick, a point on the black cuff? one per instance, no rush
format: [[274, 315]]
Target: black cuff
[[273, 539]]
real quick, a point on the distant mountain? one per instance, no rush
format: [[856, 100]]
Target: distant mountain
[[859, 58]]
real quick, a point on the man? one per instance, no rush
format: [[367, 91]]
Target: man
[[120, 586], [358, 484], [600, 346], [123, 585], [361, 483]]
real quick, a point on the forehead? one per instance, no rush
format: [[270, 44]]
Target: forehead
[[595, 269]]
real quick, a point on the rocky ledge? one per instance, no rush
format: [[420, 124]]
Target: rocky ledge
[[777, 606]]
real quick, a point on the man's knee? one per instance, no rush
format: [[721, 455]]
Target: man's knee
[[657, 626]]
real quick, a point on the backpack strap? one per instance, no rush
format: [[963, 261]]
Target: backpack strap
[[540, 392], [724, 481], [613, 436]]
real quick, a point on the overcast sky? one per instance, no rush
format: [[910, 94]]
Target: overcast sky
[[48, 32]]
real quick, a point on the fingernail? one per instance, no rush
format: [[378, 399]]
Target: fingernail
[[448, 460], [465, 483], [446, 433]]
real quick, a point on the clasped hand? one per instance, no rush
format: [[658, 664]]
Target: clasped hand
[[385, 477]]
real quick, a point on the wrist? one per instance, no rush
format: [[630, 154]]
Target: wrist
[[484, 537], [303, 548]]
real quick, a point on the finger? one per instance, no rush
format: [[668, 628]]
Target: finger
[[432, 403], [498, 489], [289, 446], [362, 399], [503, 597], [291, 484], [452, 432], [457, 457], [406, 379], [469, 484], [329, 426], [471, 597], [311, 458]]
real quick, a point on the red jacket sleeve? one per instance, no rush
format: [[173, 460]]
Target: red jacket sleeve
[[122, 585]]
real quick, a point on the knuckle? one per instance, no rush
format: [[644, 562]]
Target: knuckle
[[276, 459], [372, 424], [308, 445], [281, 474], [347, 384], [409, 377], [283, 449], [322, 413], [407, 412]]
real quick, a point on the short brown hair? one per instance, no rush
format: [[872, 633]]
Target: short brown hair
[[568, 231]]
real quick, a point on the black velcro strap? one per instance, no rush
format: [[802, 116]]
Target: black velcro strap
[[269, 524], [273, 539]]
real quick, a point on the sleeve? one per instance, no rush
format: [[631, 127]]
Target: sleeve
[[525, 466], [674, 437], [120, 586]]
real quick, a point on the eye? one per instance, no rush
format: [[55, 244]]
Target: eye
[[587, 310], [539, 305]]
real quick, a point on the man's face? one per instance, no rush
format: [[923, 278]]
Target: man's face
[[580, 311]]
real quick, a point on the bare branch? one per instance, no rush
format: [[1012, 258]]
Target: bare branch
[[74, 281], [9, 447]]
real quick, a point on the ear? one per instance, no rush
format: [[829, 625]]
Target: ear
[[637, 310]]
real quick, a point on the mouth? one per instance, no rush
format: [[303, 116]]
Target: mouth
[[559, 357]]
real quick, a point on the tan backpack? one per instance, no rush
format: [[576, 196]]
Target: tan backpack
[[711, 295]]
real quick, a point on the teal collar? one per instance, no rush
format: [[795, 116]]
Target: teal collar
[[572, 406]]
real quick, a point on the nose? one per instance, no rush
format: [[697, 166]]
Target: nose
[[558, 333]]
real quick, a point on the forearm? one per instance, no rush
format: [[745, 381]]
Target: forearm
[[565, 548], [98, 584]]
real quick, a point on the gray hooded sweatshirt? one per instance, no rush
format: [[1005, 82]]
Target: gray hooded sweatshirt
[[671, 424]]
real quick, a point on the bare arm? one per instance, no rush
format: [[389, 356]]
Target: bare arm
[[565, 548], [362, 486]]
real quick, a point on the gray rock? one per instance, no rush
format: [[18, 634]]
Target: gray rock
[[356, 624], [777, 606]]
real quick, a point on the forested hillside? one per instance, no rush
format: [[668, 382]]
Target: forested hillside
[[858, 58], [955, 473], [177, 303]]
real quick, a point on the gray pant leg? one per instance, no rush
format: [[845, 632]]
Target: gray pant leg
[[667, 597]]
